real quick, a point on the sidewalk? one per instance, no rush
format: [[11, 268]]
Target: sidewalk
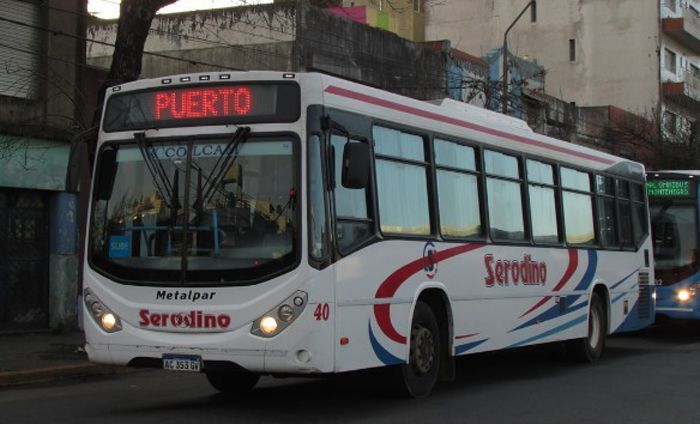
[[45, 357]]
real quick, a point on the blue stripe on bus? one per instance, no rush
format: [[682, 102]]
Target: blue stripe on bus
[[554, 311], [382, 354], [466, 347], [553, 331], [614, 286]]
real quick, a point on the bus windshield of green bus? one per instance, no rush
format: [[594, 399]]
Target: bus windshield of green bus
[[675, 231], [210, 211]]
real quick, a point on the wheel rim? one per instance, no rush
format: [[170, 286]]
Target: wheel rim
[[594, 331], [422, 349]]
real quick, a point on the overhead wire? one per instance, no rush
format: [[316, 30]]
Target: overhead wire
[[223, 43]]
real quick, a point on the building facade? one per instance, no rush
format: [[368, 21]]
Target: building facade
[[39, 114], [291, 36], [642, 56]]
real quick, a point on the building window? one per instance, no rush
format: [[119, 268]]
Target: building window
[[20, 58], [670, 122], [418, 6], [669, 60], [695, 71], [572, 50], [671, 4], [533, 12]]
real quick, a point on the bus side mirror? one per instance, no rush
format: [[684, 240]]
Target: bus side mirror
[[107, 168], [356, 160]]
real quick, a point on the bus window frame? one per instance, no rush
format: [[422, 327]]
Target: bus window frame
[[478, 172], [556, 187], [519, 157], [428, 165]]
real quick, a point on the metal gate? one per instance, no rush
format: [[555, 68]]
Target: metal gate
[[24, 260]]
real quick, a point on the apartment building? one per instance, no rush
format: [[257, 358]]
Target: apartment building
[[642, 56]]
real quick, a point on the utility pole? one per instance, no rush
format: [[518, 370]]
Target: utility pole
[[504, 94]]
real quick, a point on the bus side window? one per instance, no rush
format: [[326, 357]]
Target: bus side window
[[318, 219], [353, 223], [402, 182], [578, 206], [543, 208], [505, 202], [639, 215], [625, 214], [607, 220], [458, 189]]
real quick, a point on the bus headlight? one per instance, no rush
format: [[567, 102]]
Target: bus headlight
[[684, 295], [281, 316], [105, 318]]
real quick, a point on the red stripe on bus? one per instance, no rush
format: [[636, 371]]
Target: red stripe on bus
[[392, 283], [338, 91], [466, 336], [573, 264]]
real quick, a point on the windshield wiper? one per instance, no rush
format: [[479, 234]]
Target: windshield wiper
[[165, 188], [222, 164]]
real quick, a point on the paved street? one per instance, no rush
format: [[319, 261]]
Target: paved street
[[650, 377]]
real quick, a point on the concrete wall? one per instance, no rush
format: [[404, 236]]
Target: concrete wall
[[283, 37], [616, 44], [341, 47], [245, 30]]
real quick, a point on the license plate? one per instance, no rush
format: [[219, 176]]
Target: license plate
[[189, 363]]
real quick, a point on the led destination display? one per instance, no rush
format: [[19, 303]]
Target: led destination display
[[203, 105], [670, 188]]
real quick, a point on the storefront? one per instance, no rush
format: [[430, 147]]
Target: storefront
[[38, 225]]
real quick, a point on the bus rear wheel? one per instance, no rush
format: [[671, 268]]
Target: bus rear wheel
[[236, 383], [590, 348], [419, 375]]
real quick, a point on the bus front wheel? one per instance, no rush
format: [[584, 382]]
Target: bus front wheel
[[590, 348], [233, 382], [419, 375]]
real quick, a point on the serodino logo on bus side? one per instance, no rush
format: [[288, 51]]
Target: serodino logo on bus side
[[191, 319], [506, 271]]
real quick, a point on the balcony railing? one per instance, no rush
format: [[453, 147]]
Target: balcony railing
[[685, 91], [685, 29]]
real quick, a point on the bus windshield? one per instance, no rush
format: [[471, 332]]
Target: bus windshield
[[675, 241], [198, 212]]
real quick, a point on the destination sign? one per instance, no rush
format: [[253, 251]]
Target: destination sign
[[670, 188], [219, 104]]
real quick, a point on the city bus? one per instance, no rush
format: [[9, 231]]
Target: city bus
[[267, 223], [673, 203]]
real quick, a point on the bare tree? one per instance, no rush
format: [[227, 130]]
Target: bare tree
[[135, 17], [654, 141]]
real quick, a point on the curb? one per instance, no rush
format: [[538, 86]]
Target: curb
[[63, 372]]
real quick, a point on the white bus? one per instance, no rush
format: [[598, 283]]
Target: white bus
[[255, 223]]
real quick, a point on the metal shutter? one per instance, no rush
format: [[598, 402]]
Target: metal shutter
[[20, 49]]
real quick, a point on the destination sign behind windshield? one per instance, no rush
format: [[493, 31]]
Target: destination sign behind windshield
[[203, 105], [670, 188]]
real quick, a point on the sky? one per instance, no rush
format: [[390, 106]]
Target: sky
[[109, 9]]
